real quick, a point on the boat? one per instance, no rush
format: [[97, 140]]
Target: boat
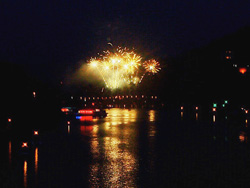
[[97, 112], [68, 110]]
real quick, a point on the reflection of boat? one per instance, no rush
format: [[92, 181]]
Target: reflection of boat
[[86, 130]]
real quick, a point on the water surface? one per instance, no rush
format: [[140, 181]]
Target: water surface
[[133, 148]]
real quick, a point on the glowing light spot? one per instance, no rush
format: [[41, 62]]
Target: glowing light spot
[[242, 70], [24, 145]]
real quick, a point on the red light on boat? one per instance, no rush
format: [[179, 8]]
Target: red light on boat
[[36, 133], [85, 111], [64, 109], [9, 120]]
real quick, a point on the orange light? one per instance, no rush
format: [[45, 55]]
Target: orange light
[[242, 137], [246, 111], [242, 70], [24, 145], [196, 108], [214, 109], [181, 107], [36, 133], [68, 122]]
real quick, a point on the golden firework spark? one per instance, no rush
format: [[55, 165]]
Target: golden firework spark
[[152, 66], [121, 67]]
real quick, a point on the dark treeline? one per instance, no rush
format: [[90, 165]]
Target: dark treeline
[[210, 73]]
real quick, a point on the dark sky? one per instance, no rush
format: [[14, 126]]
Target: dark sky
[[50, 37]]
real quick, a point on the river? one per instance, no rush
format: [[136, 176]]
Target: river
[[133, 148]]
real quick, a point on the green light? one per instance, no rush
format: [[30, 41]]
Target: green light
[[214, 105], [226, 101], [223, 105]]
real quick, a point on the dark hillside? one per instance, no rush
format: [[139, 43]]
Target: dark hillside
[[213, 72]]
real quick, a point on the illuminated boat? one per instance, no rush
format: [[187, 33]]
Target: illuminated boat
[[92, 112], [67, 110]]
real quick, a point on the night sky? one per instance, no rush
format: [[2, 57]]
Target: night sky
[[50, 37]]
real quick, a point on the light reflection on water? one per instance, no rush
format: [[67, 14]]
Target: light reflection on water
[[10, 152], [113, 149], [36, 160], [127, 149], [152, 130], [25, 173], [151, 115], [68, 129]]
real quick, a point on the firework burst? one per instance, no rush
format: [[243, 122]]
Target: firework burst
[[152, 66], [121, 67]]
